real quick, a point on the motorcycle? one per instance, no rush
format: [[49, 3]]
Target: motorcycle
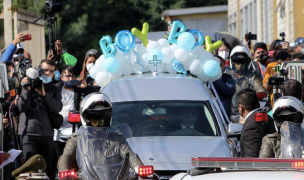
[[292, 142], [98, 159]]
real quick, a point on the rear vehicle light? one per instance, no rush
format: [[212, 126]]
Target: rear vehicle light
[[298, 165], [144, 171], [249, 163], [64, 174], [74, 117], [261, 117], [261, 95]]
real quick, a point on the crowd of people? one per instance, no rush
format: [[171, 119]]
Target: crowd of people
[[34, 119]]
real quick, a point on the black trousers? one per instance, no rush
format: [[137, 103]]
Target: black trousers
[[43, 145], [58, 151]]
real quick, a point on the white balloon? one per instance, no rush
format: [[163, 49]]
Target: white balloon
[[102, 78], [126, 69], [168, 54], [187, 63], [127, 57], [203, 77], [193, 54], [119, 56], [169, 68], [93, 71], [205, 56], [216, 77], [99, 62], [144, 59], [181, 54], [174, 47], [199, 49], [153, 45], [140, 49], [116, 74], [163, 42], [196, 67]]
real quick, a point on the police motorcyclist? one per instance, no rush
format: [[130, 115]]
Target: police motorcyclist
[[95, 110], [244, 77], [287, 108]]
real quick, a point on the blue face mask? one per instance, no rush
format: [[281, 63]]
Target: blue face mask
[[67, 84], [57, 75], [46, 79]]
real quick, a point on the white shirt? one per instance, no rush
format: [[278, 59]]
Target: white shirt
[[250, 114], [67, 105]]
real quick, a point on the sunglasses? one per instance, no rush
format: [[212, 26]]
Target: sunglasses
[[300, 41]]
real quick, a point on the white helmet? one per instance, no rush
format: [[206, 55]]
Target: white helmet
[[96, 107], [241, 54], [288, 108]]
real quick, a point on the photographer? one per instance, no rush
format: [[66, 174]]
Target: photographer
[[71, 98], [10, 51], [282, 55], [65, 57], [39, 110]]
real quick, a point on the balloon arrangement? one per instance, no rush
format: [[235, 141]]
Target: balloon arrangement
[[177, 54]]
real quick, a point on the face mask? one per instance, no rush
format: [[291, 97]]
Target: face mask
[[302, 50], [283, 55], [67, 84], [241, 68], [45, 79], [224, 54], [57, 75], [89, 66], [262, 58]]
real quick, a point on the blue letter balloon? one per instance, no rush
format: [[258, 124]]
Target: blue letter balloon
[[155, 52], [211, 68], [186, 41], [111, 64], [107, 47], [124, 40], [173, 34], [200, 36]]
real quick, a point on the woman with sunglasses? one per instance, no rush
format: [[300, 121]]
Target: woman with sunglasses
[[91, 56]]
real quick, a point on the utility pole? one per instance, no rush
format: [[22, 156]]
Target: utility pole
[[8, 25]]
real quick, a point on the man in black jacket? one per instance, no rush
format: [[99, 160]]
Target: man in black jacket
[[36, 107], [251, 136], [71, 98]]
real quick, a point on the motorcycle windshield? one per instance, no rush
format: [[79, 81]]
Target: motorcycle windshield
[[291, 140], [98, 151]]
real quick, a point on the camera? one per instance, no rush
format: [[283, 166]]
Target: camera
[[282, 34], [53, 6], [250, 36], [24, 69], [33, 77], [278, 80]]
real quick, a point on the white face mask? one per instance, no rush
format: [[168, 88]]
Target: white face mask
[[224, 54], [89, 66]]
